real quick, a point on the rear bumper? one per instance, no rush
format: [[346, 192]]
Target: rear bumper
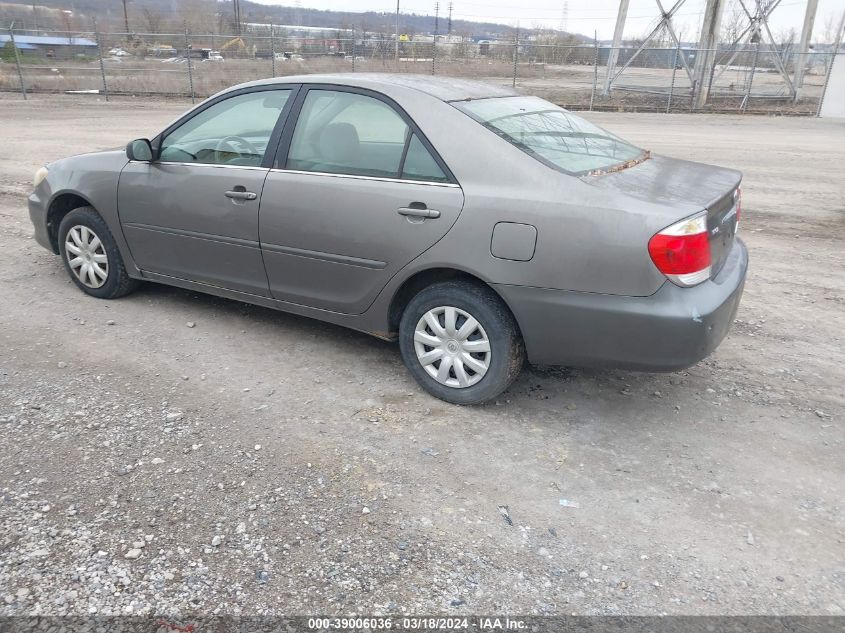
[[670, 330]]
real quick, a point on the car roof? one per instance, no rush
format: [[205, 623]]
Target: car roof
[[443, 88]]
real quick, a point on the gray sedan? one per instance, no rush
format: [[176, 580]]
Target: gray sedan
[[475, 226]]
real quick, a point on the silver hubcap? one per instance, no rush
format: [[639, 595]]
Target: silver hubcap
[[86, 256], [452, 347]]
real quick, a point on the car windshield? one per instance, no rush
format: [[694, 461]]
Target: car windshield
[[551, 134]]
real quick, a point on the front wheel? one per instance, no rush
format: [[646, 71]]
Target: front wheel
[[460, 342], [91, 256]]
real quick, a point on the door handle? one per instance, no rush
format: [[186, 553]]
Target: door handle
[[241, 195], [418, 213]]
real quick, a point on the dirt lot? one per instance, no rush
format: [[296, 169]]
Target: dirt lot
[[263, 463]]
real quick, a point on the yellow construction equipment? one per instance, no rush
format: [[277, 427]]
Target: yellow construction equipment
[[234, 45]]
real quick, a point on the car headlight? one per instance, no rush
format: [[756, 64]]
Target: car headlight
[[40, 175]]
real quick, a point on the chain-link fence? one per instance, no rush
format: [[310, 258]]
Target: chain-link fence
[[196, 65]]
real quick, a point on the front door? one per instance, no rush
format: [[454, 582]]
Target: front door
[[358, 195], [193, 212]]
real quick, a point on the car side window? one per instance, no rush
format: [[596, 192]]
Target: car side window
[[420, 164], [348, 133], [235, 131]]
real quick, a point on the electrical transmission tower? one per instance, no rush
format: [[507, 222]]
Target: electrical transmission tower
[[712, 57], [564, 17]]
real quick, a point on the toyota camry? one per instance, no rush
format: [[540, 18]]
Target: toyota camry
[[476, 226]]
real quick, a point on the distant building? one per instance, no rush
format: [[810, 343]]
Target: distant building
[[51, 46]]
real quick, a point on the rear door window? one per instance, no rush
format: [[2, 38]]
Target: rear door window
[[341, 132], [347, 133], [420, 164]]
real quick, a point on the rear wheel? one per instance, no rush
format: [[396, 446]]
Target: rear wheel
[[460, 342], [91, 256]]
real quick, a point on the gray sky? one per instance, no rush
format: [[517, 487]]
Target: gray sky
[[584, 16]]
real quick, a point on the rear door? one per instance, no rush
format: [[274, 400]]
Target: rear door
[[193, 212], [357, 192]]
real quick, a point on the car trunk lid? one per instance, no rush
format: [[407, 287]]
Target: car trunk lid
[[687, 186]]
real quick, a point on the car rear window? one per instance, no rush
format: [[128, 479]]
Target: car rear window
[[551, 134]]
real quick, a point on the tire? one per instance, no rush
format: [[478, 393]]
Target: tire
[[497, 331], [110, 271]]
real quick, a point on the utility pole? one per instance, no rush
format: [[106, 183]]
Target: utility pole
[[237, 9], [613, 53], [449, 22], [705, 58], [125, 19], [803, 47], [397, 30]]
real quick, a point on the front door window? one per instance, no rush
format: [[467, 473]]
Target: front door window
[[235, 131]]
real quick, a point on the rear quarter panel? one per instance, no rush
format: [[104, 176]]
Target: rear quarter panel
[[588, 239]]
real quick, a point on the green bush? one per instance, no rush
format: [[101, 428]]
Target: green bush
[[7, 53]]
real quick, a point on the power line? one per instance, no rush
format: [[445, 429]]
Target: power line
[[592, 15]]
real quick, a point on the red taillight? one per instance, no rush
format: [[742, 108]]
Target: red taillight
[[680, 254], [682, 251]]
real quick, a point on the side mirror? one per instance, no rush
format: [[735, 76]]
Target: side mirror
[[140, 149]]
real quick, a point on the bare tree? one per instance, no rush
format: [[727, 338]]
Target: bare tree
[[69, 23], [200, 16], [153, 20], [785, 44], [734, 22], [830, 28]]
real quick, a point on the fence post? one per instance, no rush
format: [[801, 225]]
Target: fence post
[[674, 73], [17, 60], [595, 67], [190, 70], [836, 46], [353, 47], [434, 54], [102, 64], [712, 74], [515, 55], [747, 97], [273, 48], [826, 82]]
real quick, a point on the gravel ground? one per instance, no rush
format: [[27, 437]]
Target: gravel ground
[[174, 453]]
